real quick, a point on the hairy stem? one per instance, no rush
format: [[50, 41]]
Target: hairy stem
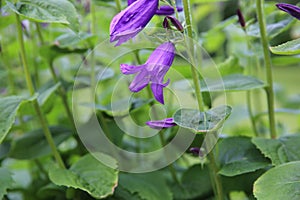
[[268, 65], [37, 107]]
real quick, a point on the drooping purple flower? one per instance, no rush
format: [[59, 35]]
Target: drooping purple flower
[[162, 10], [241, 18], [153, 71], [159, 124], [129, 22], [291, 9]]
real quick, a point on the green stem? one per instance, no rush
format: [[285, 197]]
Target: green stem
[[268, 65], [39, 32], [31, 89], [195, 75], [118, 5], [216, 180]]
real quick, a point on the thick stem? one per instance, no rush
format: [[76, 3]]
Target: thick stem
[[212, 165], [268, 65], [31, 89]]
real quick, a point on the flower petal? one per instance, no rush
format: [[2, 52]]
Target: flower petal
[[291, 9], [163, 55], [129, 22], [157, 90], [159, 124], [140, 81], [130, 69], [167, 10]]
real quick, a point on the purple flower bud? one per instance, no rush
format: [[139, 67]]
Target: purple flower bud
[[153, 71], [159, 124], [174, 21], [167, 10], [241, 18], [195, 150], [291, 9], [129, 22], [162, 10]]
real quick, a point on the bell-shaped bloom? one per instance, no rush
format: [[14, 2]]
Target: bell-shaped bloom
[[129, 22], [153, 71], [173, 21], [291, 9], [162, 10], [159, 124]]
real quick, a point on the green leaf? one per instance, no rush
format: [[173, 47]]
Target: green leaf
[[281, 182], [71, 39], [50, 11], [237, 155], [9, 107], [46, 92], [88, 174], [281, 150], [202, 121], [6, 181], [146, 186], [34, 144], [233, 82], [195, 184], [230, 66], [289, 48]]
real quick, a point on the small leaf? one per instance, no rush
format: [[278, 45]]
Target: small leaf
[[6, 181], [34, 144], [9, 107], [88, 174], [146, 186], [230, 66], [45, 93], [237, 155], [281, 182], [71, 39], [233, 82], [281, 150], [289, 48], [202, 121], [50, 11]]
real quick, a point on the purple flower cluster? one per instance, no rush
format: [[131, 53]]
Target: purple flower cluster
[[126, 25]]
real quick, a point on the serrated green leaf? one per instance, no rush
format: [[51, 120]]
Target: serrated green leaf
[[233, 82], [50, 11], [146, 186], [289, 48], [6, 181], [202, 122], [237, 155], [281, 150], [281, 182], [34, 144], [87, 174], [9, 107]]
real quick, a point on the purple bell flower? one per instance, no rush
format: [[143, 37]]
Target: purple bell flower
[[129, 22], [291, 9], [153, 71], [159, 124], [162, 10]]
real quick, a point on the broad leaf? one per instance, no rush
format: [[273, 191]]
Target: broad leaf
[[50, 11], [289, 48], [195, 183], [202, 122], [46, 92], [88, 174], [9, 107], [34, 144], [281, 150], [233, 82], [230, 66], [6, 181], [237, 155], [281, 182], [146, 186]]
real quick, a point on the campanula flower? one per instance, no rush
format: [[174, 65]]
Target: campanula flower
[[159, 124], [129, 22], [153, 71], [174, 21], [291, 9], [162, 10], [241, 18]]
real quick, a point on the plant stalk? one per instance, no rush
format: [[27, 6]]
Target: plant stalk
[[118, 5], [268, 64], [37, 107], [216, 180]]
